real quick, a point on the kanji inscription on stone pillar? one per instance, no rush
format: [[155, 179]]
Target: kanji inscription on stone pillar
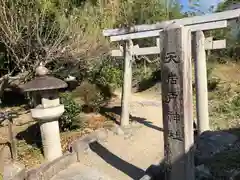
[[177, 102]]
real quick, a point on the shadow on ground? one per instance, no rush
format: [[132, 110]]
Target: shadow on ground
[[118, 163], [114, 112], [31, 135], [220, 148]]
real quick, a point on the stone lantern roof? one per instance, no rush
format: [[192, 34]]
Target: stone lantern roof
[[43, 81]]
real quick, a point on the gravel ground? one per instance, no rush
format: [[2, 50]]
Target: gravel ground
[[128, 152]]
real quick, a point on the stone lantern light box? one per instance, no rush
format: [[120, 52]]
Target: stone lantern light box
[[48, 110]]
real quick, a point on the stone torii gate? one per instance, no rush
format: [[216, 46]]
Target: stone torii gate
[[174, 45], [196, 24]]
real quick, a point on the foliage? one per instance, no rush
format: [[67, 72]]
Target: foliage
[[231, 107], [146, 12], [227, 4], [213, 82], [27, 35], [69, 120], [49, 31], [224, 104], [67, 35], [109, 72], [92, 96], [29, 155], [231, 34]]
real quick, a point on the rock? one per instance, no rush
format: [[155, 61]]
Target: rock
[[12, 169], [209, 143], [235, 175], [202, 173]]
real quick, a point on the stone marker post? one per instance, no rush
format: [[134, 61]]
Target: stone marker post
[[199, 55], [177, 102], [127, 83]]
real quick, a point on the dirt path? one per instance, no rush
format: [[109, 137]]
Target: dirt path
[[126, 156]]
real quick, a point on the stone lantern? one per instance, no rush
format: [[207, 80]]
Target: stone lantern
[[47, 110]]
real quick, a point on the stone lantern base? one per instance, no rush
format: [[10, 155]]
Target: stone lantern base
[[51, 140]]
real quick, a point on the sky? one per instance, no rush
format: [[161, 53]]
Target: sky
[[204, 4]]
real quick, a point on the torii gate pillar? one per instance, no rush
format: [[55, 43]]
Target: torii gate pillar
[[127, 83]]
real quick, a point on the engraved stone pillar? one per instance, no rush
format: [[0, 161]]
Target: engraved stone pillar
[[177, 102]]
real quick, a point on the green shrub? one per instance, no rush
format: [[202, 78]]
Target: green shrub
[[111, 75], [212, 81], [69, 121], [230, 107], [108, 73], [92, 96]]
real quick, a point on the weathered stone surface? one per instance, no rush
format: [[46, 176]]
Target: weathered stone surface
[[209, 143], [12, 169], [236, 175], [82, 144], [79, 171], [20, 175], [146, 177], [203, 173], [48, 170], [156, 172]]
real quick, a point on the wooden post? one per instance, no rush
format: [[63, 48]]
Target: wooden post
[[12, 139], [199, 56], [177, 102], [127, 84]]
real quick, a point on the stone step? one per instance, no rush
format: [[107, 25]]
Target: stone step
[[80, 171], [107, 165]]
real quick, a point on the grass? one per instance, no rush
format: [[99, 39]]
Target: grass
[[224, 111], [29, 155], [224, 100]]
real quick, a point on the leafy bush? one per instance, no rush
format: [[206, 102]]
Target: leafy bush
[[111, 75], [109, 72], [212, 81], [93, 98], [68, 121], [230, 108]]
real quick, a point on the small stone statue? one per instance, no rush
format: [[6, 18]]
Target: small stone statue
[[41, 70]]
